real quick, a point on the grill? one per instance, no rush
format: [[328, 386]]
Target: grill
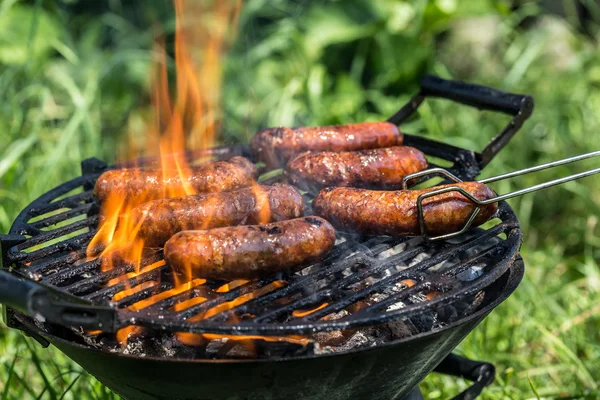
[[53, 232], [429, 285]]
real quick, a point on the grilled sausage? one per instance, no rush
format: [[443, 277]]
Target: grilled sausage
[[276, 146], [160, 219], [251, 251], [374, 168], [395, 212], [144, 185]]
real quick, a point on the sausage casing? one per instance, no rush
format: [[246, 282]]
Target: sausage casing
[[395, 212], [374, 168], [251, 251], [140, 185], [158, 220], [276, 146]]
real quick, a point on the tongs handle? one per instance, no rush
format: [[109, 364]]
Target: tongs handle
[[477, 96]]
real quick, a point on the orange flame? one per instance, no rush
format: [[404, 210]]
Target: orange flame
[[262, 204], [187, 121]]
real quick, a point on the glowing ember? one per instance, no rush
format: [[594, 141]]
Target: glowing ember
[[195, 339], [304, 313], [128, 292], [231, 285]]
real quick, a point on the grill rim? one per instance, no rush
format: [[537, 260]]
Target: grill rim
[[117, 318], [516, 272]]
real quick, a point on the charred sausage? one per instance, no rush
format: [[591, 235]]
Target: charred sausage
[[395, 212], [251, 251], [276, 146], [160, 219], [143, 185], [373, 168]]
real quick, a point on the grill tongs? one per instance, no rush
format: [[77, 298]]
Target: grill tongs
[[442, 172]]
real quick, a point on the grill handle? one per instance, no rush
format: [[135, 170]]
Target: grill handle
[[17, 292], [477, 96], [518, 105], [53, 306], [481, 373]]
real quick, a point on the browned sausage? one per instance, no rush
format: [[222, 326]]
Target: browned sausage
[[144, 185], [373, 168], [251, 251], [395, 212], [276, 146], [160, 219]]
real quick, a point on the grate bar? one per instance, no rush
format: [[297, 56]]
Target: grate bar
[[412, 272], [107, 293], [101, 277], [64, 216], [51, 235], [331, 291]]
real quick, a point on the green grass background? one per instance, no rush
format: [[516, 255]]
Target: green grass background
[[74, 77]]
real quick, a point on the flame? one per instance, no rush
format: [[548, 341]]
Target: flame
[[262, 204], [166, 294], [123, 335], [132, 275], [188, 120], [409, 282]]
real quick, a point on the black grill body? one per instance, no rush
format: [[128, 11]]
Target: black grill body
[[385, 372]]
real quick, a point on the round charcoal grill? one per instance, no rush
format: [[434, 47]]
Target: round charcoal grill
[[438, 290]]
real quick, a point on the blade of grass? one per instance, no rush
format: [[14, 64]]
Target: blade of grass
[[8, 382], [38, 366], [70, 387], [533, 389], [26, 385], [583, 372], [15, 152]]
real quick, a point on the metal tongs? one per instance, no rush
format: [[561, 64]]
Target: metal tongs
[[442, 172]]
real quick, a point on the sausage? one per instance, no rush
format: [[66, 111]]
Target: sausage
[[251, 251], [141, 185], [395, 212], [160, 219], [276, 146], [373, 168]]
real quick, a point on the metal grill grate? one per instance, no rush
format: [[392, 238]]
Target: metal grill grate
[[373, 275]]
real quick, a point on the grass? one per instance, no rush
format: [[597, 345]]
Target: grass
[[70, 93]]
